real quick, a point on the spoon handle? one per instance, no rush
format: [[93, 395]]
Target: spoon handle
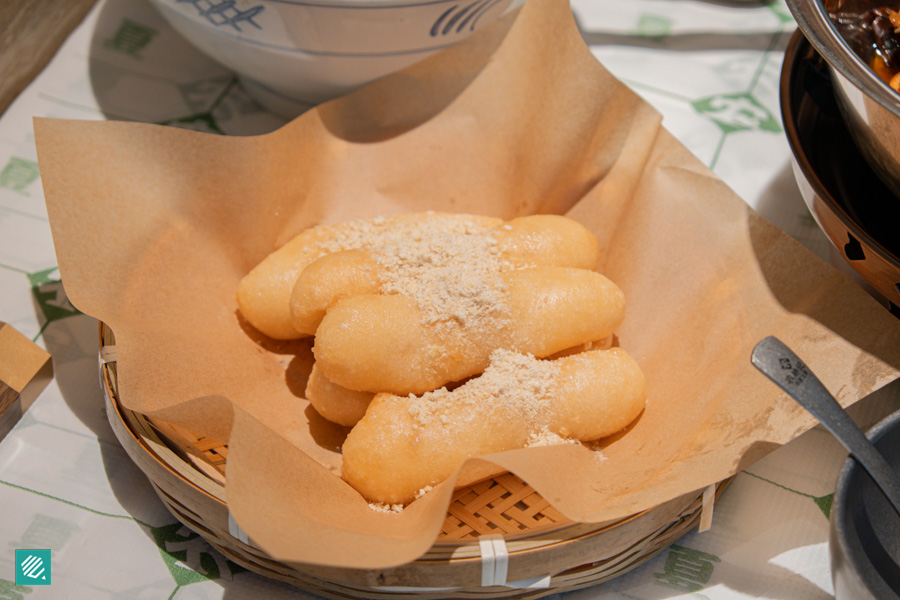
[[791, 374]]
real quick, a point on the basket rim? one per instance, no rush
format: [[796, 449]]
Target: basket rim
[[157, 445], [156, 442]]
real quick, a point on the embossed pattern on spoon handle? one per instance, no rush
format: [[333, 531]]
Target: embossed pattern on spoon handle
[[782, 366]]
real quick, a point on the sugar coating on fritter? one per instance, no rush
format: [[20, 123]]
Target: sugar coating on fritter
[[450, 267], [406, 442], [520, 381]]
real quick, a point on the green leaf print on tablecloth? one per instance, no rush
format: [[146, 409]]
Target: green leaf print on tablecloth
[[50, 295], [46, 531], [131, 37], [11, 591], [18, 174], [686, 569], [189, 557], [823, 502], [204, 120], [653, 26], [737, 112]]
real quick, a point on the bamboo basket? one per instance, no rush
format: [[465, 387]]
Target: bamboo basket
[[500, 538]]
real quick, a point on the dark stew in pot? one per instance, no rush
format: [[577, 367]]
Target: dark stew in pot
[[872, 30]]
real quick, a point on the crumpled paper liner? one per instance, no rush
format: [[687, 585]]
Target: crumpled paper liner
[[155, 226]]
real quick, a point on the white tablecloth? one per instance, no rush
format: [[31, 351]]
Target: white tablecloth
[[713, 71]]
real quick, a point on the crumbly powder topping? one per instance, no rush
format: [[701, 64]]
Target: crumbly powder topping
[[520, 381], [545, 437], [385, 508], [450, 266]]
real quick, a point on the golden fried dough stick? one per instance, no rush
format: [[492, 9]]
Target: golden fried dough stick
[[412, 254], [263, 295], [346, 407], [335, 403], [406, 443], [378, 343], [327, 280], [547, 241], [555, 308], [604, 344]]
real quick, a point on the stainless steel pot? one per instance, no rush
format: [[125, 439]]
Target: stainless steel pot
[[854, 208], [870, 107]]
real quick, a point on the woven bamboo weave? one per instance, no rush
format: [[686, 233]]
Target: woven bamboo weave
[[188, 474]]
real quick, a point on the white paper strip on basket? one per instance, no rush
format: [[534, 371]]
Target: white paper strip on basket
[[236, 532], [494, 560], [108, 354], [706, 509], [494, 569]]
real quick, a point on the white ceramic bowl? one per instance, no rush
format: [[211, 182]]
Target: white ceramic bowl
[[294, 54]]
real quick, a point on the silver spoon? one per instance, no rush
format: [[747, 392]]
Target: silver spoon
[[782, 366]]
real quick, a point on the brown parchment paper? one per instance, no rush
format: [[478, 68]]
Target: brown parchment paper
[[154, 227]]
